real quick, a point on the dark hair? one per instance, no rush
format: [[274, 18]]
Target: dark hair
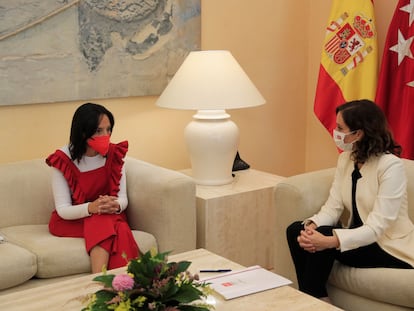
[[85, 122], [367, 116]]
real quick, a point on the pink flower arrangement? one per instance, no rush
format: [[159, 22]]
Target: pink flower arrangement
[[151, 283], [122, 282]]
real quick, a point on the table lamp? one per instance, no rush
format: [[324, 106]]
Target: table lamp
[[211, 82]]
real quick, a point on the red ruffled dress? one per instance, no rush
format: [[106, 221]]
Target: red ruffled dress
[[110, 231]]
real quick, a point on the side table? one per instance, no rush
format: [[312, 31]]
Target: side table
[[237, 220]]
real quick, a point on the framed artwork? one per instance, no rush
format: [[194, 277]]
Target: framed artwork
[[64, 50]]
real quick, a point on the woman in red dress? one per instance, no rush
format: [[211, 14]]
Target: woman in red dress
[[89, 188]]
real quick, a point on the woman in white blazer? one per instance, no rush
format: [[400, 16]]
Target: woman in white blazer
[[370, 183]]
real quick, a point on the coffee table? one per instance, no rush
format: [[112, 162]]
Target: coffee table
[[64, 295]]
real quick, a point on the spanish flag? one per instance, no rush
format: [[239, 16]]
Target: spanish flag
[[395, 94], [349, 61]]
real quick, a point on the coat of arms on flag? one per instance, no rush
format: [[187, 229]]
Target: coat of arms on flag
[[349, 42], [349, 60]]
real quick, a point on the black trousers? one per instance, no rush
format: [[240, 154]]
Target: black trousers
[[313, 269]]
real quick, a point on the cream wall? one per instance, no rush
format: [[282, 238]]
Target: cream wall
[[277, 42]]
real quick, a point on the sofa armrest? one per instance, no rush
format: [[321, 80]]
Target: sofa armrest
[[162, 202], [296, 198]]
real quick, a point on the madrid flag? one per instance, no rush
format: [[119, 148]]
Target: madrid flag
[[349, 61], [395, 92]]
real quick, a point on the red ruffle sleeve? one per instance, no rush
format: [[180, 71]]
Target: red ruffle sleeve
[[63, 163], [116, 155]]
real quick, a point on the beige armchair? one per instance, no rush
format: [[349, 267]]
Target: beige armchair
[[352, 289], [161, 212]]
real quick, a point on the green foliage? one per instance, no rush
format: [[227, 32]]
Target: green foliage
[[158, 285]]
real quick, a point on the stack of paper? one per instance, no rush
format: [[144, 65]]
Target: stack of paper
[[246, 281]]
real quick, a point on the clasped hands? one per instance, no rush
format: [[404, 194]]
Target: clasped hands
[[105, 204], [313, 241]]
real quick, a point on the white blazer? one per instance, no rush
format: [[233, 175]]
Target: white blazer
[[381, 197]]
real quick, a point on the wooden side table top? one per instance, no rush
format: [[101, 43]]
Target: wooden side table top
[[243, 181], [64, 295]]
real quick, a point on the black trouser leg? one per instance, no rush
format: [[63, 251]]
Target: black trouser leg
[[371, 256], [312, 269], [297, 253]]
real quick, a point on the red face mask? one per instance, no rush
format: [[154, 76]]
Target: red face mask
[[100, 144]]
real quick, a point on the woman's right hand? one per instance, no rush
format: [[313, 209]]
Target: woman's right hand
[[304, 240], [93, 207]]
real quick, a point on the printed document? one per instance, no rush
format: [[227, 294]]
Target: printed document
[[244, 282]]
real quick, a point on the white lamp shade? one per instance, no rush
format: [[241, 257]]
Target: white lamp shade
[[210, 80]]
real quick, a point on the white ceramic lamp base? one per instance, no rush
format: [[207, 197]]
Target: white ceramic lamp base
[[212, 141]]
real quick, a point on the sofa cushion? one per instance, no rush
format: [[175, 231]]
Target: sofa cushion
[[17, 265], [145, 241], [26, 193], [58, 256], [393, 286]]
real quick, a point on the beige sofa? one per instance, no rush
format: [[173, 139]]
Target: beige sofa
[[161, 212], [352, 289]]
